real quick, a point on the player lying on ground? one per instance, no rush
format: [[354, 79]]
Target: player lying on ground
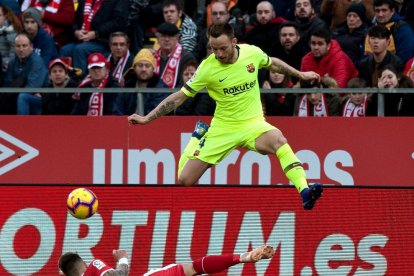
[[71, 264], [230, 76]]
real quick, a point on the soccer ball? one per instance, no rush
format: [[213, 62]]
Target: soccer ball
[[82, 203]]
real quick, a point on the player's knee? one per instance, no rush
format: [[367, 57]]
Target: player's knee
[[280, 140], [185, 180]]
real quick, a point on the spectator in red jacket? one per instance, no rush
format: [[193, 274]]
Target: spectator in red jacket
[[327, 58]]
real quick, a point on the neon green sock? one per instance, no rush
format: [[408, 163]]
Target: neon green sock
[[292, 167], [188, 151]]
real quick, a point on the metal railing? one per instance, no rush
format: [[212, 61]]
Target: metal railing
[[378, 91]]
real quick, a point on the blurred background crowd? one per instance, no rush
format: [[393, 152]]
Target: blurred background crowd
[[159, 44]]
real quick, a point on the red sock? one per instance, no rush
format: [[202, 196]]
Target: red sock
[[215, 263]]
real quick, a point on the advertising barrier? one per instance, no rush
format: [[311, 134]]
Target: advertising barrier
[[351, 231], [106, 150]]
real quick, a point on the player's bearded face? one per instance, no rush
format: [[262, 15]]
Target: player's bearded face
[[224, 48]]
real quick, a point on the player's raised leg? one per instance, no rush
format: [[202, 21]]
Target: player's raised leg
[[218, 263], [192, 171], [199, 131], [272, 142]]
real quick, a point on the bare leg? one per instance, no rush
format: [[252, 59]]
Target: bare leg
[[269, 142], [192, 171]]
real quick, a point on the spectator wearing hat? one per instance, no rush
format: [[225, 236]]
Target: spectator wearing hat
[[171, 56], [351, 34], [336, 11], [173, 13], [59, 77], [402, 35], [43, 43], [26, 69], [97, 103], [141, 75], [57, 16], [94, 23]]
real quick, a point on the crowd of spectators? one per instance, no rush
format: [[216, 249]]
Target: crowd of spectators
[[159, 44]]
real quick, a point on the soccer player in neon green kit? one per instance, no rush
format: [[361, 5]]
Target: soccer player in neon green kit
[[230, 77]]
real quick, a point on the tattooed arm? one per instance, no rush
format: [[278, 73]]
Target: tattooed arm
[[122, 267], [166, 106], [121, 271], [282, 67]]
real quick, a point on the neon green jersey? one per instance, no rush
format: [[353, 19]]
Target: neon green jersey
[[234, 87]]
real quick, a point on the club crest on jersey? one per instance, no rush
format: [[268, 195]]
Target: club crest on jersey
[[250, 68]]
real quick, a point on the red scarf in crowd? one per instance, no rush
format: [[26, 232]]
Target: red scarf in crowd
[[353, 110], [319, 110], [409, 71], [90, 10], [120, 66], [170, 74], [52, 6], [96, 102]]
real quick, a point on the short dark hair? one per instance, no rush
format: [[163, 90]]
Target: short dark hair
[[289, 24], [390, 3], [356, 82], [191, 62], [310, 1], [122, 34], [216, 30], [175, 3], [323, 33], [69, 262], [379, 31]]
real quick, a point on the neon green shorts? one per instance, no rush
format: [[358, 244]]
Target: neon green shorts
[[220, 141]]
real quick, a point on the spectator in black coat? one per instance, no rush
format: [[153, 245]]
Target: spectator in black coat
[[59, 75]]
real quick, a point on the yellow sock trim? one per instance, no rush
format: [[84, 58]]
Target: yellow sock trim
[[291, 166]]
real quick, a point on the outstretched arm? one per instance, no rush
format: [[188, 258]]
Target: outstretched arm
[[117, 272], [282, 67], [166, 106], [122, 266]]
